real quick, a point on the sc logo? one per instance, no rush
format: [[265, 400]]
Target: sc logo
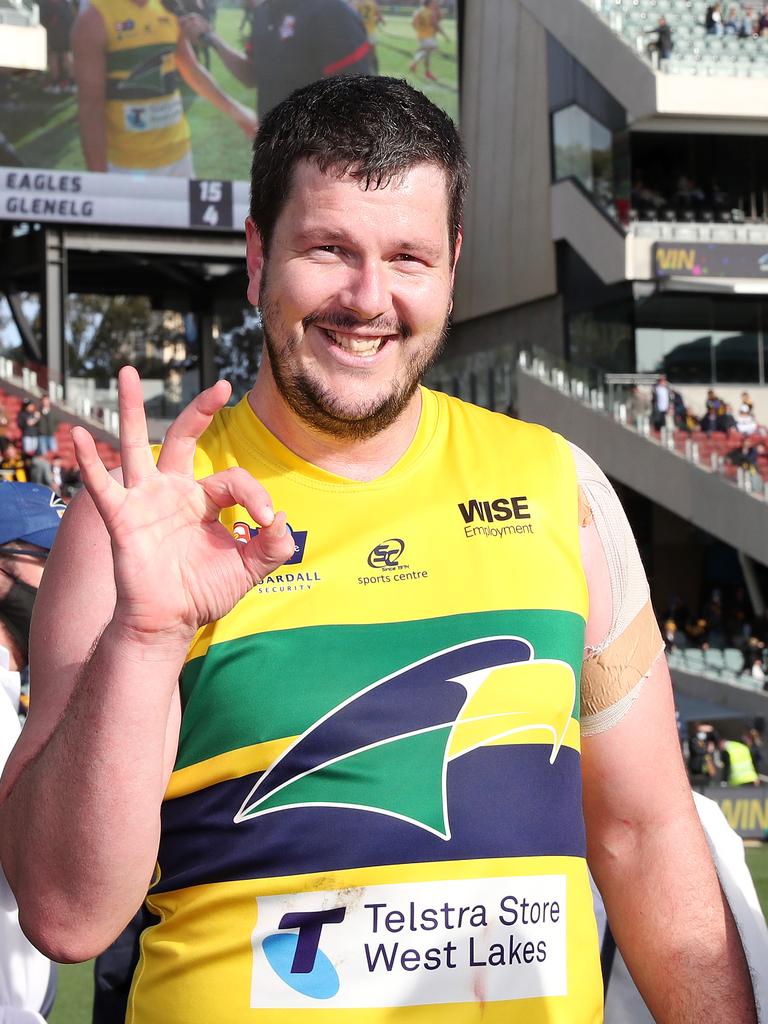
[[387, 554]]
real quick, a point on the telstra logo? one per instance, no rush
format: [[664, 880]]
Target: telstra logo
[[296, 957]]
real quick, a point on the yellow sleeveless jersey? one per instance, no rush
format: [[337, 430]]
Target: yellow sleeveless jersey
[[146, 126], [423, 23], [375, 813]]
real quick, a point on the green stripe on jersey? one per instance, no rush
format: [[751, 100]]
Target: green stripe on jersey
[[138, 58], [270, 685]]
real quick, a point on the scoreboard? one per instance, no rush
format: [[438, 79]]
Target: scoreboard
[[121, 199]]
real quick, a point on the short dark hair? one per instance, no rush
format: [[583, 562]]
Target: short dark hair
[[368, 126]]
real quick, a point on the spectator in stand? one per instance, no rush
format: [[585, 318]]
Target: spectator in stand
[[748, 25], [3, 420], [40, 471], [756, 671], [12, 465], [671, 635], [714, 19], [726, 420], [660, 402], [698, 633], [714, 408], [47, 427], [57, 475], [762, 22], [746, 455], [679, 411], [745, 417], [28, 422], [701, 747], [732, 21], [638, 404], [661, 46]]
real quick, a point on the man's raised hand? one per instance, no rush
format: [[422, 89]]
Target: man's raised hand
[[176, 567]]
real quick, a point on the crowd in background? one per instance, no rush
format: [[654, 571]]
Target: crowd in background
[[33, 455], [666, 408], [721, 621], [741, 20]]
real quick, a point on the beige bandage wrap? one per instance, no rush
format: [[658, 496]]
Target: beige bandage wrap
[[616, 666]]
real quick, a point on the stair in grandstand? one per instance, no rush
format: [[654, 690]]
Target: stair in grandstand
[[694, 51]]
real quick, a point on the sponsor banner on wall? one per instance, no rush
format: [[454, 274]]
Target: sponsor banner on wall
[[709, 260], [745, 808]]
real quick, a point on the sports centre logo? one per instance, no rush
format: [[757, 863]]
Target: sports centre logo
[[362, 753], [387, 554]]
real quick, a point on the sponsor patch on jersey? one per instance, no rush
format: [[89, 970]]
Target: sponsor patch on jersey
[[412, 944], [243, 532], [387, 560], [150, 117], [125, 26]]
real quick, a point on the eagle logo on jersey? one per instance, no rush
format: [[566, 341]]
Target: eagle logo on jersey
[[360, 754]]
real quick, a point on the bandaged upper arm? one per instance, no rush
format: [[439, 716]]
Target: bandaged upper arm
[[623, 638]]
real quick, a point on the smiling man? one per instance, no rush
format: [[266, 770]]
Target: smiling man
[[348, 764]]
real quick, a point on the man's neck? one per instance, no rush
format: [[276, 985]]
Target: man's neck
[[361, 460]]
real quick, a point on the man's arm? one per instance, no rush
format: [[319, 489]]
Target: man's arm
[[198, 78], [645, 846], [134, 572], [650, 860], [238, 64], [89, 45]]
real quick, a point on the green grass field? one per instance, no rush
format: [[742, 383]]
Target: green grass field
[[74, 1000], [43, 128]]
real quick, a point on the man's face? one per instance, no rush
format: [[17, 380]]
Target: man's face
[[355, 295]]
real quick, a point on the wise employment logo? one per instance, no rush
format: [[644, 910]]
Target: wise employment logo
[[362, 754], [243, 532], [294, 954]]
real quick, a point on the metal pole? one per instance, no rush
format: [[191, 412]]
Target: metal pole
[[54, 303]]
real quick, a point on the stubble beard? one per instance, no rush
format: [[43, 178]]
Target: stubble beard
[[317, 405]]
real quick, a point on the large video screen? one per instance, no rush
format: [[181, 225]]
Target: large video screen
[[146, 113]]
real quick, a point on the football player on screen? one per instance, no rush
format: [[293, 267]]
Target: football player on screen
[[128, 58]]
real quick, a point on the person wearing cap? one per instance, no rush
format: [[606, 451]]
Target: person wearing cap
[[29, 518]]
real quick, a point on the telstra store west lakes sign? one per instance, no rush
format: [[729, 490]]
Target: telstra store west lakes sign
[[709, 260]]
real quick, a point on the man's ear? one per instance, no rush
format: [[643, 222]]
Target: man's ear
[[254, 255], [456, 252]]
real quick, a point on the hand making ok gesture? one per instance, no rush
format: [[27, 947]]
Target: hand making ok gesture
[[176, 567]]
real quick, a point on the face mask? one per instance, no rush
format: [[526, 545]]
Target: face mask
[[16, 613]]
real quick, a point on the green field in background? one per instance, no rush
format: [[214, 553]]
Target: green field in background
[[43, 127], [75, 996]]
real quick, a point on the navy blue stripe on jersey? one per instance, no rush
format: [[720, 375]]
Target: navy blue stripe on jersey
[[494, 810]]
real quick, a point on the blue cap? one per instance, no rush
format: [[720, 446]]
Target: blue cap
[[29, 513]]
